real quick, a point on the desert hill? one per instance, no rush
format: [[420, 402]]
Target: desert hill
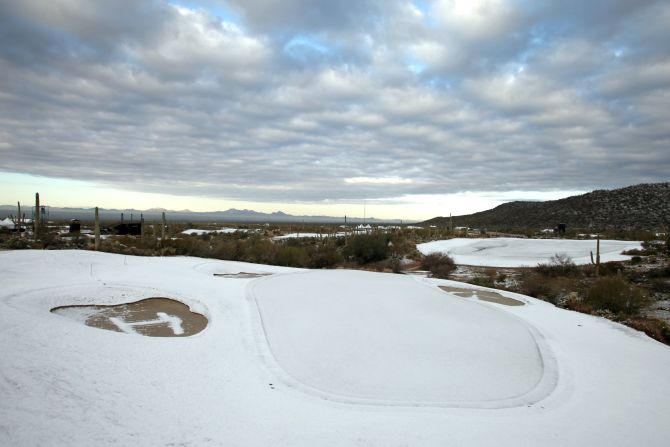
[[643, 206]]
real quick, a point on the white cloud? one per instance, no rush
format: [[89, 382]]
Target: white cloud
[[478, 19], [176, 100], [379, 180]]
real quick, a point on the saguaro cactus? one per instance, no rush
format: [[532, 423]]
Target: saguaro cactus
[[97, 229], [36, 221], [18, 228], [163, 229], [597, 260]]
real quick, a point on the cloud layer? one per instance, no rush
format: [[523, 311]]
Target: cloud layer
[[300, 100]]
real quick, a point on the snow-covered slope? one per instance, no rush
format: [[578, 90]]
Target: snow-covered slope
[[324, 358], [516, 252]]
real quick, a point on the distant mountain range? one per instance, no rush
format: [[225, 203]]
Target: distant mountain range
[[644, 206], [232, 216]]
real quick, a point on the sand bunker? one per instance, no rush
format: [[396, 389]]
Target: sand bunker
[[241, 275], [153, 317], [484, 295]]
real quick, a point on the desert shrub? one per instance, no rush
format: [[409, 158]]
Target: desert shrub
[[558, 265], [651, 247], [262, 251], [633, 252], [366, 248], [402, 246], [635, 260], [653, 327], [617, 295], [231, 250], [324, 256], [611, 268], [534, 284], [394, 264], [660, 285], [661, 272], [483, 280], [578, 305], [555, 290], [17, 243], [440, 265], [290, 256]]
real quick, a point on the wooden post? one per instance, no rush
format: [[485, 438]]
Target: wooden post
[[97, 229]]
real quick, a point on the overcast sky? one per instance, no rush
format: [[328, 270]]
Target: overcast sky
[[420, 108]]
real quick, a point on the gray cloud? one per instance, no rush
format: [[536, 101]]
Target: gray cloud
[[311, 101]]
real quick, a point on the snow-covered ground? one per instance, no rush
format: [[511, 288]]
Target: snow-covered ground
[[516, 252], [298, 236], [312, 358], [307, 235], [224, 230]]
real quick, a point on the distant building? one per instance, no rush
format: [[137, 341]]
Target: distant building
[[363, 229], [75, 226], [7, 223], [131, 228]]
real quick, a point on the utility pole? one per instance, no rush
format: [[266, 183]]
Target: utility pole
[[364, 211]]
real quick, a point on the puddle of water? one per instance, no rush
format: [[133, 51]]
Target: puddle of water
[[152, 317], [241, 275], [492, 297]]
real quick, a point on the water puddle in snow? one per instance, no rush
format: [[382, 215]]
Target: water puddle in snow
[[241, 275], [152, 317], [492, 297]]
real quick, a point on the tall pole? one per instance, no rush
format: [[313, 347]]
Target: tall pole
[[364, 211]]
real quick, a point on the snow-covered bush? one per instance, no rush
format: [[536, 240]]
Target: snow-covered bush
[[438, 264]]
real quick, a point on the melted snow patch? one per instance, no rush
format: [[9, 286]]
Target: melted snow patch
[[483, 295], [152, 317], [242, 275]]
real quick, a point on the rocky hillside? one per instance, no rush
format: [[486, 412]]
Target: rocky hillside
[[644, 206]]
